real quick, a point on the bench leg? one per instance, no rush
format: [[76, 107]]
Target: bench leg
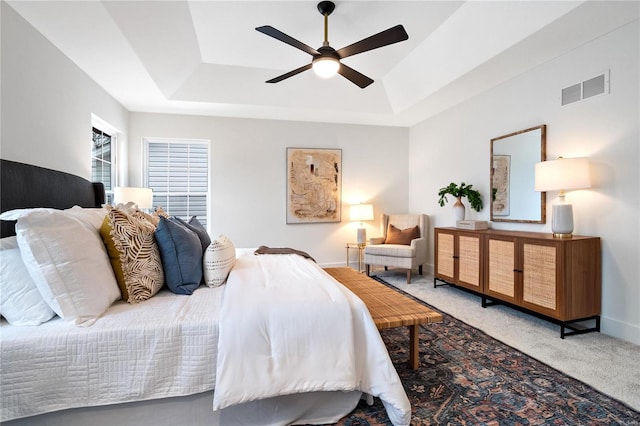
[[414, 346]]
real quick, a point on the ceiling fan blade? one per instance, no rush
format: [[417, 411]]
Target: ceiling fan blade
[[279, 35], [289, 74], [384, 38], [354, 76]]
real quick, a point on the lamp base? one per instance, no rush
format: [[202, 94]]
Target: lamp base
[[362, 236], [562, 220], [558, 235]]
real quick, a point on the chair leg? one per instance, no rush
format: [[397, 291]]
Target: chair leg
[[367, 268], [420, 269], [409, 276]]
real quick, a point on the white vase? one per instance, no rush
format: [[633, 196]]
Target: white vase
[[458, 209]]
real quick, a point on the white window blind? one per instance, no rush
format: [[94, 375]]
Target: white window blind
[[178, 173]]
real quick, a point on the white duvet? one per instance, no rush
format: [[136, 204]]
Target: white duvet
[[163, 347], [286, 328]]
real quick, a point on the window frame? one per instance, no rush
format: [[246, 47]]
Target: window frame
[[106, 128]]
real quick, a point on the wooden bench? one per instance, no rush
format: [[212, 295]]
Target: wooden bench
[[388, 308]]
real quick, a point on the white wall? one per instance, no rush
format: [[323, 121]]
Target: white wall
[[454, 146], [47, 102], [248, 175]]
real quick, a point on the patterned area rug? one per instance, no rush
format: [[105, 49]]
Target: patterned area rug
[[468, 378]]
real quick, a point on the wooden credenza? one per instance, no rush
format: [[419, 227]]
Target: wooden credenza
[[557, 278]]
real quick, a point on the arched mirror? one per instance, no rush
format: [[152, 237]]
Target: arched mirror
[[513, 159]]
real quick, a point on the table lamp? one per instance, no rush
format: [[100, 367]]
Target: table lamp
[[562, 174], [360, 213], [141, 197]]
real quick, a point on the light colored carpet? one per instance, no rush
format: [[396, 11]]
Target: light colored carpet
[[608, 364]]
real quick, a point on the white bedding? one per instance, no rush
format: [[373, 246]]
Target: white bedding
[[320, 338], [129, 354], [291, 328]]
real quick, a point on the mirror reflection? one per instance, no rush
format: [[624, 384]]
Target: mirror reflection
[[513, 159]]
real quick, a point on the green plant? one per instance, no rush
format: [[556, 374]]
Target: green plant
[[463, 190]]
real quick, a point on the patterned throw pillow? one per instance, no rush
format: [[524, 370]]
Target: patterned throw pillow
[[403, 237], [154, 217], [133, 253], [218, 261]]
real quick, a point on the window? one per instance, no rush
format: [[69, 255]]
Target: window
[[178, 172], [103, 156]]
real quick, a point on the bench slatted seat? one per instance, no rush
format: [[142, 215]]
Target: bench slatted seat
[[388, 308]]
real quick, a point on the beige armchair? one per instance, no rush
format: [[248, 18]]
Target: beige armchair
[[407, 255]]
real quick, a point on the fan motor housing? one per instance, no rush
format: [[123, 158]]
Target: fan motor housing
[[327, 52], [326, 7]]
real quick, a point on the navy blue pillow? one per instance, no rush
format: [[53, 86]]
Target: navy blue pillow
[[181, 254], [195, 225]]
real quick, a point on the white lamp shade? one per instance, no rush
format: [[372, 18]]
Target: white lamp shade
[[562, 174], [361, 212], [142, 197]]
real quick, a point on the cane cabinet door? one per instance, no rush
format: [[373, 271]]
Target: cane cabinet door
[[540, 277], [501, 279], [458, 257], [470, 261], [445, 255]]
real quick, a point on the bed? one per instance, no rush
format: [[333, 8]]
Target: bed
[[266, 340]]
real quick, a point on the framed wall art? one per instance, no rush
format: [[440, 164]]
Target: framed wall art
[[314, 185]]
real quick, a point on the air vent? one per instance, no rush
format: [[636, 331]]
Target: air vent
[[594, 86], [571, 94]]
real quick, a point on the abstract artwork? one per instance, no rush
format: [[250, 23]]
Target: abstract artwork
[[314, 185]]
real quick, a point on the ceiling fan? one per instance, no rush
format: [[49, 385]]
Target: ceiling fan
[[326, 60]]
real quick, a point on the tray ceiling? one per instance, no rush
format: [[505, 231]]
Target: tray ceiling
[[205, 57]]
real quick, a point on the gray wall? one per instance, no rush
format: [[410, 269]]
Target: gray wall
[[47, 102]]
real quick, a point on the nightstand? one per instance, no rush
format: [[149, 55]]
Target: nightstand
[[360, 248]]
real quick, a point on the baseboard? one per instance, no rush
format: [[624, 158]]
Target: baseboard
[[621, 330], [336, 265], [428, 269]]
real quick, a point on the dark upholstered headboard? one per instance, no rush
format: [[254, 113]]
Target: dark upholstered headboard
[[27, 186]]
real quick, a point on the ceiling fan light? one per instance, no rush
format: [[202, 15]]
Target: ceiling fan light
[[326, 67]]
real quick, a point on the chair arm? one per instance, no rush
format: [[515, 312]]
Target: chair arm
[[420, 247], [376, 240]]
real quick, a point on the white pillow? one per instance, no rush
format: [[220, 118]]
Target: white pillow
[[20, 300], [18, 213], [93, 216], [69, 264], [218, 261]]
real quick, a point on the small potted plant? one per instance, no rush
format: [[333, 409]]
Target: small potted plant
[[458, 192]]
